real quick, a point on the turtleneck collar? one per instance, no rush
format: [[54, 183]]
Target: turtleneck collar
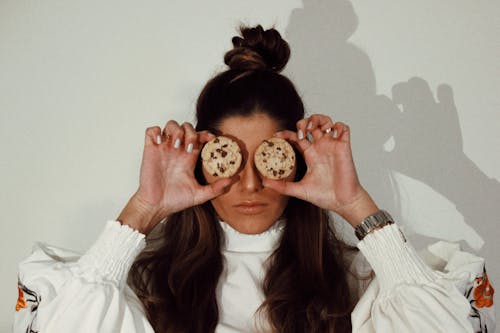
[[266, 241]]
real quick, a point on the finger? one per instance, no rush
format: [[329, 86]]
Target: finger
[[293, 189], [318, 124], [205, 136], [341, 132], [218, 187], [319, 121], [302, 128], [153, 136], [317, 134], [190, 137], [167, 131], [293, 138], [174, 133]]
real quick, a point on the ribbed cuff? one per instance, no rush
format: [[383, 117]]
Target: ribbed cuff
[[393, 259], [112, 255]]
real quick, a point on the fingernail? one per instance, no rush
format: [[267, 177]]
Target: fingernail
[[335, 133], [301, 135], [177, 143], [189, 148], [310, 125], [158, 139], [277, 133]]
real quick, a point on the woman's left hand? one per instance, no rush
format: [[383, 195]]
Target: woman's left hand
[[331, 181]]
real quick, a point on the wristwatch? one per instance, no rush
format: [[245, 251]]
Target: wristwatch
[[374, 221]]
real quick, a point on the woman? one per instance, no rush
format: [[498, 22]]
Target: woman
[[245, 253]]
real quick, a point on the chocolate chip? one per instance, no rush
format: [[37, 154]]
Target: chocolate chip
[[221, 169], [216, 140], [224, 146], [232, 162], [264, 160], [215, 174], [281, 171], [269, 143], [278, 148], [223, 153], [275, 173]]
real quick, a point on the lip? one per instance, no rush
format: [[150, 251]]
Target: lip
[[251, 207]]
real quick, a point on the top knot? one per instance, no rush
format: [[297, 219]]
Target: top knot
[[258, 49]]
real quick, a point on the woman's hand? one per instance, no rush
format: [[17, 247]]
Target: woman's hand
[[167, 182], [331, 181]]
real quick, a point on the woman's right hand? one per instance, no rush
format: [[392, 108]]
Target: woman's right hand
[[167, 182]]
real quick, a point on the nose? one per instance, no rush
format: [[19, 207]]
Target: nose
[[250, 178]]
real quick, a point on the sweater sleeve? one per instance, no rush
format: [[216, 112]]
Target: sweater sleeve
[[441, 290], [62, 291]]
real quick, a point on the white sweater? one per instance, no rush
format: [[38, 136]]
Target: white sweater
[[63, 291]]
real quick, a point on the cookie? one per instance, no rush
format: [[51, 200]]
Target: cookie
[[221, 157], [275, 158]]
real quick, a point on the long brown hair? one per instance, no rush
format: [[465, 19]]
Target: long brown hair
[[305, 286]]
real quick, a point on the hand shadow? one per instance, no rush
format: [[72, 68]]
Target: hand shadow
[[429, 148], [336, 77]]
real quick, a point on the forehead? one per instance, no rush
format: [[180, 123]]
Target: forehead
[[250, 129]]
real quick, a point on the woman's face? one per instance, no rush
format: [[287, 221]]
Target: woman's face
[[249, 207]]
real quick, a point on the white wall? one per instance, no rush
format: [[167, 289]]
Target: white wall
[[81, 80]]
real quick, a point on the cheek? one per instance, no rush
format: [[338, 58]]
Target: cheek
[[291, 177], [217, 202], [223, 205], [280, 204], [209, 178]]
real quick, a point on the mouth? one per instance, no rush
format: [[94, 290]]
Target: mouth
[[251, 207]]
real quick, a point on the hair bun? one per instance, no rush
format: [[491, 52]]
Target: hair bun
[[257, 48]]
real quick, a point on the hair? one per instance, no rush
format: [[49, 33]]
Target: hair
[[305, 285]]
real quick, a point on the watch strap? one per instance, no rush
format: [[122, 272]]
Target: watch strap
[[372, 222]]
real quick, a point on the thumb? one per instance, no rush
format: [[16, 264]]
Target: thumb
[[220, 186], [284, 187]]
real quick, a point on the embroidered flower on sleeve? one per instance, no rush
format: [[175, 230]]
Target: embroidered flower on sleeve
[[21, 303], [480, 296], [483, 291], [28, 300]]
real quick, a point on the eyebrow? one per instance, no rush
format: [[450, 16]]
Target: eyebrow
[[214, 130]]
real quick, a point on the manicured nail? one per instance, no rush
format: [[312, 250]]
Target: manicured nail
[[301, 135], [158, 139], [190, 148], [177, 143], [335, 133], [310, 125]]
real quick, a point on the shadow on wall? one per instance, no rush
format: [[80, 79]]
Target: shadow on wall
[[336, 77]]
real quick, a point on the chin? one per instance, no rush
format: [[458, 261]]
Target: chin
[[251, 224]]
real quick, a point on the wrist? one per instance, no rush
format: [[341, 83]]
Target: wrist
[[362, 207], [138, 215]]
